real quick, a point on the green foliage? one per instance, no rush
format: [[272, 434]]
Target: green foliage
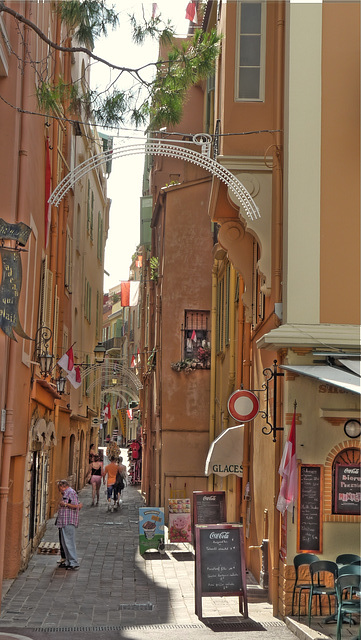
[[89, 18], [154, 266], [51, 97]]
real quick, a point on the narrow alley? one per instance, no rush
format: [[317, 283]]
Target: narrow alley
[[117, 593]]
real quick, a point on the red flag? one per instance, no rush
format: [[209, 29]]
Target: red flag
[[288, 471], [47, 192], [129, 292], [77, 374], [194, 336], [130, 414], [132, 364], [191, 12]]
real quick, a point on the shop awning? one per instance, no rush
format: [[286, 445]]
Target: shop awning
[[225, 454], [331, 375]]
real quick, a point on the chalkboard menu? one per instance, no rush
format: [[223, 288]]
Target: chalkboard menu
[[309, 529], [347, 489], [209, 507], [220, 564]]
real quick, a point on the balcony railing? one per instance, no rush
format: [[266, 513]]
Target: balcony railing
[[113, 343]]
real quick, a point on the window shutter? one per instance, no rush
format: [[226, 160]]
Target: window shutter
[[56, 324], [88, 209]]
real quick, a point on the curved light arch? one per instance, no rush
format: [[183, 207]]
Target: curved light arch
[[168, 148], [123, 394], [107, 368]]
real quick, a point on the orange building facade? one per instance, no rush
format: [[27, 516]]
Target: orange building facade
[[45, 436]]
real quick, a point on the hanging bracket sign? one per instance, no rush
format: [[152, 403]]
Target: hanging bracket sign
[[243, 405]]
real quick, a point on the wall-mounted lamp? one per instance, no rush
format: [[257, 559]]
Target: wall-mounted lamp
[[41, 353], [352, 428], [99, 353], [60, 384]]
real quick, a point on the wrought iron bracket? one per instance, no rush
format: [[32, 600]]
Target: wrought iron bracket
[[271, 374]]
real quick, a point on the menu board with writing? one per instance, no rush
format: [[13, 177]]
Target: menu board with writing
[[209, 507], [220, 564], [347, 489], [309, 522]]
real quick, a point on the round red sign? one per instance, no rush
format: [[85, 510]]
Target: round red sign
[[243, 405]]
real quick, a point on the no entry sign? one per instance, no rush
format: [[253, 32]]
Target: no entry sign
[[243, 405]]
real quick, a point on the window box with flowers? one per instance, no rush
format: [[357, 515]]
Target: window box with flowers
[[202, 361]]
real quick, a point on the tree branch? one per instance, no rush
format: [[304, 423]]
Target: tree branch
[[20, 18]]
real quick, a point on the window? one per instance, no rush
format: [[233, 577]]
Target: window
[[196, 334], [250, 51], [346, 477]]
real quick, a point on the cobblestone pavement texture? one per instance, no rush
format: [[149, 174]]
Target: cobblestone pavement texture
[[117, 593]]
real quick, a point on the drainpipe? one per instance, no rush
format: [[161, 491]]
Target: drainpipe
[[232, 342], [278, 272], [212, 419]]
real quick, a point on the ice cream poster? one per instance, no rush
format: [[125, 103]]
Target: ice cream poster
[[180, 529], [151, 528]]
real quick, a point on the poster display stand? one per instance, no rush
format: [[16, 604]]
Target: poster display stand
[[220, 564], [209, 507], [179, 523], [151, 528]]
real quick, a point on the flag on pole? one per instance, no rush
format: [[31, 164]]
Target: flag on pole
[[47, 192], [73, 374], [107, 413], [132, 364], [130, 414], [191, 12], [129, 293], [288, 471], [138, 355]]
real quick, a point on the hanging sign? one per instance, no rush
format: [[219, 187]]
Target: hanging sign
[[243, 405], [10, 286]]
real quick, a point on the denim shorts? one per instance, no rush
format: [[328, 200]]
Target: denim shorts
[[110, 490]]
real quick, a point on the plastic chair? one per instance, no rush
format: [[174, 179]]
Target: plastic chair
[[298, 561], [351, 584], [347, 558], [321, 566], [349, 569]]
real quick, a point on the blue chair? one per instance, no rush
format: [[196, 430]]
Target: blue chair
[[321, 566], [298, 561], [351, 583]]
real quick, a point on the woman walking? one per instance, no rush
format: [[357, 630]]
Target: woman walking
[[95, 472]]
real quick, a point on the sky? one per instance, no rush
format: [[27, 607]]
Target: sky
[[125, 181]]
